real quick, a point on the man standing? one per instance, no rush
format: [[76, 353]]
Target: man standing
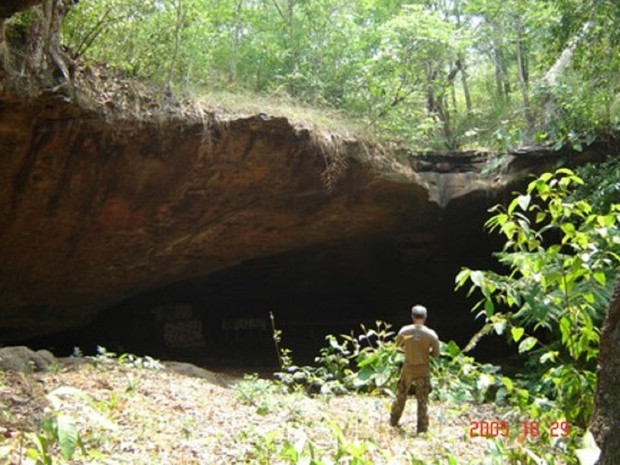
[[419, 343]]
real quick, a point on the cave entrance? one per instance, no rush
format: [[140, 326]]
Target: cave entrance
[[223, 319]]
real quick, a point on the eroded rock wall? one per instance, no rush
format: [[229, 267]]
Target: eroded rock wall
[[95, 210]]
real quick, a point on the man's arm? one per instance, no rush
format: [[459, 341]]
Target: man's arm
[[435, 347]]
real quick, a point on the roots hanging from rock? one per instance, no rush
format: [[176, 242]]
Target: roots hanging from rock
[[333, 150]]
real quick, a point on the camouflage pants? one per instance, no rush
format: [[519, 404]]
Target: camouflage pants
[[422, 390]]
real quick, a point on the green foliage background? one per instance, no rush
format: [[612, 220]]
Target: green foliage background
[[428, 73]]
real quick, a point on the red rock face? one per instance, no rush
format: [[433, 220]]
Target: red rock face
[[93, 211]]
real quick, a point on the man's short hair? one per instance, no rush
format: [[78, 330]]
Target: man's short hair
[[418, 311]]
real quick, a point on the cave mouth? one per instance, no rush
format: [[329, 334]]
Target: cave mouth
[[222, 320]]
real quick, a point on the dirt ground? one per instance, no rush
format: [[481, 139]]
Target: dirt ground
[[129, 415]]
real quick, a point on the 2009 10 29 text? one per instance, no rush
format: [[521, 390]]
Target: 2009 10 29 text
[[528, 428]]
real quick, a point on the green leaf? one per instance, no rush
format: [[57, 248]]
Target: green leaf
[[568, 228], [565, 171], [484, 381], [524, 201], [489, 309], [513, 205], [548, 356], [545, 177], [507, 383], [452, 348], [540, 217], [67, 436], [477, 277], [606, 221], [527, 344], [364, 375], [517, 333], [565, 328], [462, 277], [382, 377], [600, 277]]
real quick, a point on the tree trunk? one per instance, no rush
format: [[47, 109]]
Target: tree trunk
[[55, 12], [461, 59], [524, 80], [552, 75], [606, 417], [499, 88], [45, 59], [177, 45], [455, 109], [4, 52], [465, 84], [431, 106], [236, 44], [501, 75]]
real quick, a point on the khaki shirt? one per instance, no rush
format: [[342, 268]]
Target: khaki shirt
[[419, 343]]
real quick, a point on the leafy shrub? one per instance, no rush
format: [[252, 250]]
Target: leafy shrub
[[105, 358], [366, 363], [580, 114], [58, 432], [552, 301], [257, 392], [146, 362], [378, 362], [370, 363], [457, 377], [294, 446], [601, 186]]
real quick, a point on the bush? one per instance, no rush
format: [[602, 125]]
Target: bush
[[365, 363], [370, 363], [458, 378], [562, 258]]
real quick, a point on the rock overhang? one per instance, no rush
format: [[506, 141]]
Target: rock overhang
[[94, 211], [97, 208]]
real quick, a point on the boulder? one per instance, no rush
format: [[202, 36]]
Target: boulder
[[23, 359]]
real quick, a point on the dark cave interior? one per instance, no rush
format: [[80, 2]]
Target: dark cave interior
[[223, 320]]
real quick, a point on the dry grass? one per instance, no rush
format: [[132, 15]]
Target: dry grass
[[120, 96], [127, 415], [231, 105]]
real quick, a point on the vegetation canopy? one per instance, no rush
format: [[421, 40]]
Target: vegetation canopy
[[430, 74]]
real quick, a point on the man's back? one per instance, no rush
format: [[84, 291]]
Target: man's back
[[418, 343]]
